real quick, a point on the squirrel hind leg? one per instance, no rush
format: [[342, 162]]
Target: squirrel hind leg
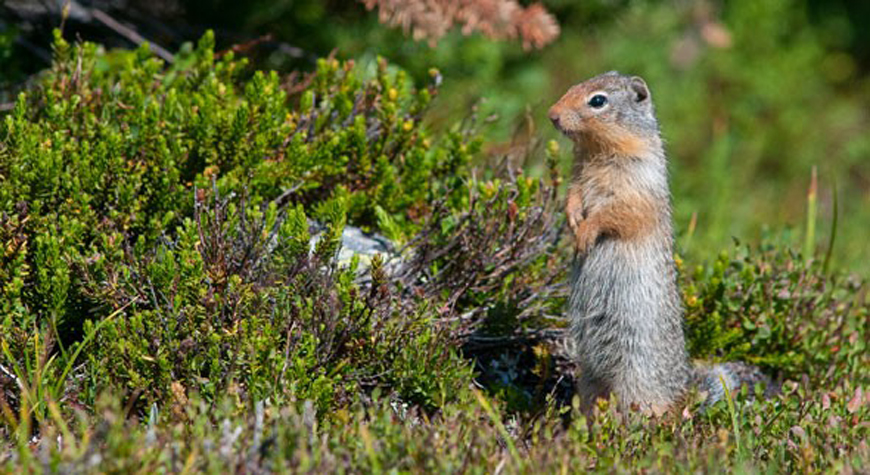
[[590, 389]]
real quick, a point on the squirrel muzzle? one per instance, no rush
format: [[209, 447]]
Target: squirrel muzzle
[[566, 121]]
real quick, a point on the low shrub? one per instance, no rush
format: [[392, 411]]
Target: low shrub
[[771, 307], [157, 225]]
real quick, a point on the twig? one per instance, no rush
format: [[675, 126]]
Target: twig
[[246, 46], [480, 342], [131, 34], [281, 200], [11, 375]]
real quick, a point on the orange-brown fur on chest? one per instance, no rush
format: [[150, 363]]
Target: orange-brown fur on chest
[[603, 201]]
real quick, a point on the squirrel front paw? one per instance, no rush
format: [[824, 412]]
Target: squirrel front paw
[[585, 235], [575, 217]]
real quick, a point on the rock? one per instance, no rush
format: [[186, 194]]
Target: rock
[[356, 242]]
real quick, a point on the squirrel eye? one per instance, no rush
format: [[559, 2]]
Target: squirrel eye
[[598, 101]]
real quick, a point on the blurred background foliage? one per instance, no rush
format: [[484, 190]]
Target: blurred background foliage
[[751, 95]]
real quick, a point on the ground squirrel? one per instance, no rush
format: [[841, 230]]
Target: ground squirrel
[[625, 308]]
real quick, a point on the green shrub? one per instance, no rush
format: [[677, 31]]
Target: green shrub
[[236, 304], [770, 307], [177, 202], [111, 143]]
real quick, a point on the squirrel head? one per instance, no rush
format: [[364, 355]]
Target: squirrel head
[[611, 112]]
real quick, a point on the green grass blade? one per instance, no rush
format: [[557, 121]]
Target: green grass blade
[[812, 210], [834, 220]]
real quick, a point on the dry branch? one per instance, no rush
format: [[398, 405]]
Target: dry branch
[[497, 19]]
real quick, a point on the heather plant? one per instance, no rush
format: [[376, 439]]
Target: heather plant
[[750, 95], [180, 203], [770, 307], [498, 255], [112, 144], [238, 304]]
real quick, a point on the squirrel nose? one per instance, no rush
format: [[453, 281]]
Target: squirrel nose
[[554, 117]]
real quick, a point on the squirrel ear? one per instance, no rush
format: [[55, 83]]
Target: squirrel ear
[[640, 89]]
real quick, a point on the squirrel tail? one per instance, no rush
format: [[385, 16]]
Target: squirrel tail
[[714, 379]]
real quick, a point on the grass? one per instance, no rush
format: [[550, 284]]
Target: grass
[[802, 430]]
